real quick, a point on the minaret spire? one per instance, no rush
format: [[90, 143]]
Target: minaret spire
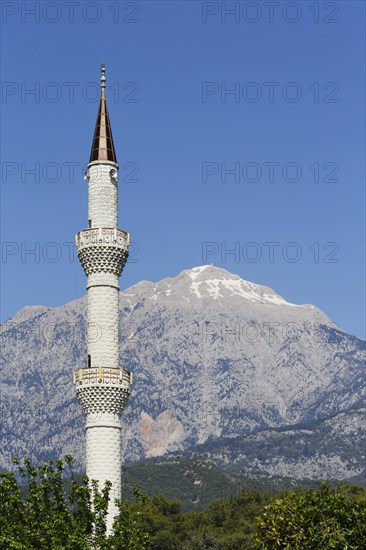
[[103, 146], [103, 386]]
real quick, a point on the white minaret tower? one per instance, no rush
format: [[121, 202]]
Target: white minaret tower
[[102, 387]]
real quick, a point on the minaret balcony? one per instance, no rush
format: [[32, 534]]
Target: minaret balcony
[[103, 376], [103, 249], [103, 389], [103, 236]]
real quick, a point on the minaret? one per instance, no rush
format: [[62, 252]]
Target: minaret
[[102, 387]]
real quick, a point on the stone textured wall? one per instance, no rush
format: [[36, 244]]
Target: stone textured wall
[[103, 196], [102, 310], [103, 457], [102, 279]]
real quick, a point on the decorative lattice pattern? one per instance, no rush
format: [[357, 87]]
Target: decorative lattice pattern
[[109, 259], [109, 399], [102, 249]]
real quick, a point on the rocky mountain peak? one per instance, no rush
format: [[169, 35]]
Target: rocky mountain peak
[[212, 283], [214, 358]]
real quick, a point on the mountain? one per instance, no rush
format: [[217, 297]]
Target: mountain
[[222, 367], [195, 482]]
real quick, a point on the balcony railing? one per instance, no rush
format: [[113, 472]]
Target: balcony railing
[[102, 375], [102, 235]]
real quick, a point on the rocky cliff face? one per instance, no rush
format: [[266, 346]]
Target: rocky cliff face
[[216, 360]]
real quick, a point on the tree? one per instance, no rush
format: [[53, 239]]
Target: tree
[[312, 520], [127, 535], [39, 510]]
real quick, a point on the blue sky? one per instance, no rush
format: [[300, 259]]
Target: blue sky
[[292, 130]]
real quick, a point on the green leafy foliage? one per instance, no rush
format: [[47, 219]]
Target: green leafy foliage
[[40, 511], [47, 507], [225, 524], [314, 520]]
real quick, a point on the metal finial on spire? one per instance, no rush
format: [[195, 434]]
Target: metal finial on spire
[[103, 77]]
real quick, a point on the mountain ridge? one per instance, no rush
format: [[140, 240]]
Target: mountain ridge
[[213, 357]]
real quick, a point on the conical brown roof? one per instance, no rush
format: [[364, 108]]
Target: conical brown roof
[[103, 146]]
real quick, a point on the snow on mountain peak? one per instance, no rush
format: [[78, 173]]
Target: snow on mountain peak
[[211, 283], [214, 282]]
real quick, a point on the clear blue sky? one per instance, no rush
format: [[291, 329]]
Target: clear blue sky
[[299, 75]]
